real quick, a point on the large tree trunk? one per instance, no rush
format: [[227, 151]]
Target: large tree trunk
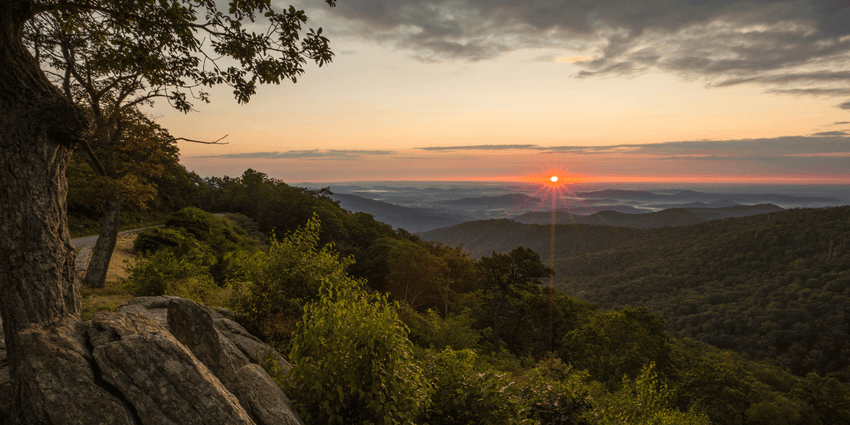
[[102, 252], [39, 300]]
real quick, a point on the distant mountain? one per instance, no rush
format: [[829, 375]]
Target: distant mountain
[[410, 219], [483, 237], [713, 204], [692, 195], [509, 200], [668, 217]]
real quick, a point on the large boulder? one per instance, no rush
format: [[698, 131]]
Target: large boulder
[[192, 325], [160, 360], [158, 375], [58, 379]]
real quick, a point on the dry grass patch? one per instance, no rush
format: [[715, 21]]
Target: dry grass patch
[[113, 294]]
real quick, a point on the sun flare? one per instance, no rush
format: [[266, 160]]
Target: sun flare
[[554, 179]]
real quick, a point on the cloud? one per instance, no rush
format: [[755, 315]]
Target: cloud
[[790, 46], [841, 122], [845, 105], [478, 147], [303, 154], [832, 133], [820, 144]]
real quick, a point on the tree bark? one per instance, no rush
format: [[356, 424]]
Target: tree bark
[[38, 295], [102, 252]]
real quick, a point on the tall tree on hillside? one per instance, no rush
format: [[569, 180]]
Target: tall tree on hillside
[[170, 48], [505, 275], [116, 172]]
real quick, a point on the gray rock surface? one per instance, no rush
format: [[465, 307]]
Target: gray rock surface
[[159, 376], [58, 382], [132, 368], [264, 399], [259, 395]]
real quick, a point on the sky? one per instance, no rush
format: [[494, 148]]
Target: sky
[[749, 91]]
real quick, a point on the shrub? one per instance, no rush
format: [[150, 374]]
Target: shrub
[[642, 401], [271, 287], [556, 393], [155, 239], [164, 274], [352, 362], [469, 393], [455, 331]]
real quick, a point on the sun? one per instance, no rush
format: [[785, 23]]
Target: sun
[[554, 179]]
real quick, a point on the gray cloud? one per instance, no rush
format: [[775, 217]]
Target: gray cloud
[[478, 147], [797, 47], [841, 122], [823, 144], [303, 154], [845, 105], [832, 133]]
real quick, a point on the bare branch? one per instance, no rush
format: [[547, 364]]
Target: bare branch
[[217, 142]]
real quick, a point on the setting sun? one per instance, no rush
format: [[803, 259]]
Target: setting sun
[[554, 179]]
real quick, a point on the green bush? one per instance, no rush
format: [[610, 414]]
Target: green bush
[[271, 287], [470, 393], [155, 239], [430, 330], [556, 393], [352, 362], [164, 274], [644, 401]]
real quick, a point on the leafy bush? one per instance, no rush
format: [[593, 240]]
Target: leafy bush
[[164, 274], [455, 331], [271, 287], [642, 401], [469, 393], [155, 239], [556, 393], [352, 362]]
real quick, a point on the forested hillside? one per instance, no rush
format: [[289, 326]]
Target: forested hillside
[[774, 286]]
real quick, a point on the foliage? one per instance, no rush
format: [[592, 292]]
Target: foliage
[[614, 344], [469, 392], [164, 274], [557, 393], [352, 362], [155, 239], [773, 286], [432, 331], [272, 286], [829, 398], [645, 400], [508, 275]]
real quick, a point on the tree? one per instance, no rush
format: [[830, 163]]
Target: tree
[[506, 275], [173, 49], [118, 173]]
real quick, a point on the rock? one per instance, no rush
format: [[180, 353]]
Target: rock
[[158, 375], [58, 381], [154, 307], [192, 325], [264, 399], [259, 395], [251, 346]]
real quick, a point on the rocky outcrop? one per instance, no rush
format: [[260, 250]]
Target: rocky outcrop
[[161, 360], [192, 325], [58, 382]]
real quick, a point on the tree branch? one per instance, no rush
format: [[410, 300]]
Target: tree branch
[[216, 142]]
